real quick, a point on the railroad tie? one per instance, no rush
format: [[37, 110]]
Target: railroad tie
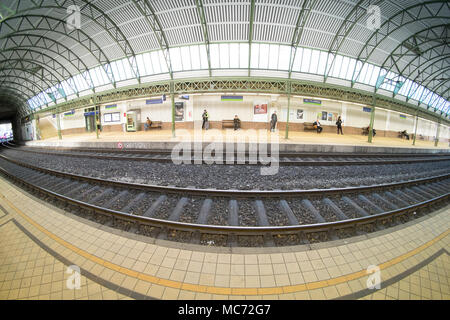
[[59, 184], [35, 177], [39, 179], [391, 195], [418, 196], [130, 205], [437, 188], [287, 210], [406, 196], [336, 209], [423, 192], [358, 209], [373, 205], [85, 193], [176, 213], [204, 212], [233, 219], [151, 211], [308, 205], [385, 201], [74, 185], [101, 195], [262, 217]]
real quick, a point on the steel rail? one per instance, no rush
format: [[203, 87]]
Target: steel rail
[[168, 152], [233, 230], [134, 156], [228, 192]]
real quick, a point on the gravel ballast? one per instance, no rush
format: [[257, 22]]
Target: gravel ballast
[[241, 177]]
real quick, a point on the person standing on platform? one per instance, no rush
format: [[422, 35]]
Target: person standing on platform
[[99, 126], [237, 122], [273, 121], [205, 117], [339, 125]]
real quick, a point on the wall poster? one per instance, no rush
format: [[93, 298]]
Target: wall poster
[[299, 114], [260, 111], [179, 111], [260, 108], [324, 115]]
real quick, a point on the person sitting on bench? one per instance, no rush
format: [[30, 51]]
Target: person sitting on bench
[[237, 122], [148, 124], [317, 126], [373, 131], [405, 134]]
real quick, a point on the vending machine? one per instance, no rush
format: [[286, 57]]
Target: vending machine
[[131, 121]]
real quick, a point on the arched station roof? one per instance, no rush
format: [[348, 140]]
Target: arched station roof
[[395, 47]]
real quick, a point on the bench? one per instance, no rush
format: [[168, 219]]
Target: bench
[[309, 126], [229, 124], [155, 124]]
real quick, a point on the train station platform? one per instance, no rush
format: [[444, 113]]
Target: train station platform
[[40, 242], [297, 142]]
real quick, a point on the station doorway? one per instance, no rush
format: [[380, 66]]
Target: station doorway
[[90, 118]]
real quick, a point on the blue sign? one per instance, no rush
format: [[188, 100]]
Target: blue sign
[[312, 101], [365, 109], [232, 98], [185, 97], [92, 113], [154, 101], [112, 106]]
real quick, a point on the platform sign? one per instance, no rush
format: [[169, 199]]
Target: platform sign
[[232, 98], [402, 116], [111, 106], [91, 113], [68, 114], [312, 101], [366, 109], [154, 101]]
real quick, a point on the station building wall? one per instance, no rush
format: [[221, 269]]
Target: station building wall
[[355, 116]]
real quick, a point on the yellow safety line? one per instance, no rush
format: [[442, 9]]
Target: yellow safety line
[[223, 290]]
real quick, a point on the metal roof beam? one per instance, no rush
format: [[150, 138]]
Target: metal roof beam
[[395, 22], [149, 14], [43, 25], [250, 33], [49, 44], [201, 14], [100, 18], [38, 59], [298, 31], [358, 12]]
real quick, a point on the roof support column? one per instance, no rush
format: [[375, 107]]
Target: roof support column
[[415, 128], [172, 97], [436, 140], [372, 119], [58, 123], [286, 136]]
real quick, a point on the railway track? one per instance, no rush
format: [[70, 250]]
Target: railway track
[[234, 217], [284, 158]]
